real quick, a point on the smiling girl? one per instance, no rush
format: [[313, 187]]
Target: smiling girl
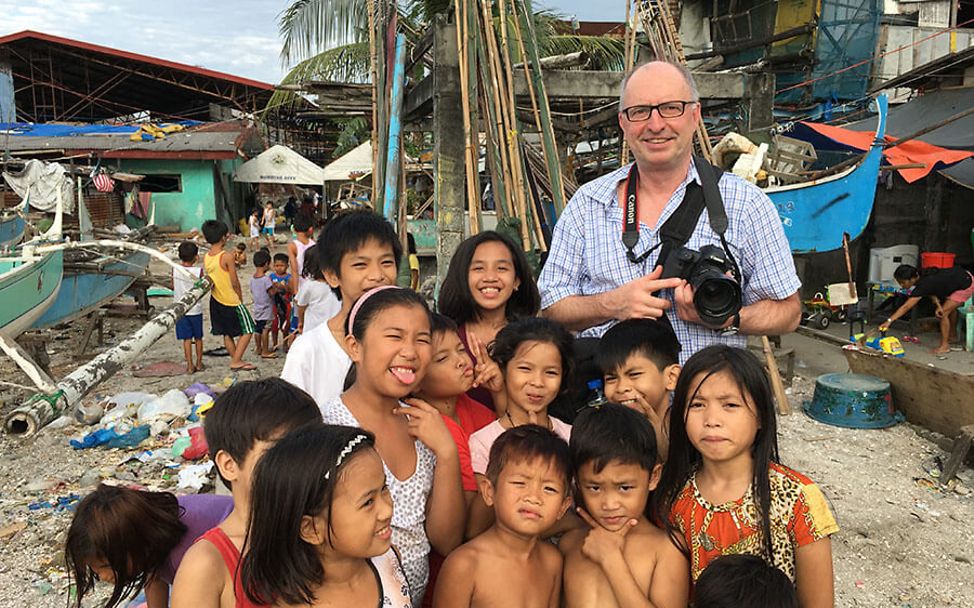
[[488, 284], [319, 531], [723, 490], [389, 342]]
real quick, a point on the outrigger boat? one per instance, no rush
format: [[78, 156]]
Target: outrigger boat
[[12, 225], [93, 277], [816, 213], [30, 281]]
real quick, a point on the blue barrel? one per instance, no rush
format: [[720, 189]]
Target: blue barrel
[[854, 401]]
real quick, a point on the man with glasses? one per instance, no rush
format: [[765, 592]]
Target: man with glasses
[[592, 279]]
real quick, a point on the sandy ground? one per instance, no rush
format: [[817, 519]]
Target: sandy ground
[[905, 542]]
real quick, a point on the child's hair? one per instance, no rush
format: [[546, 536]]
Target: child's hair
[[241, 246], [256, 410], [214, 231], [539, 329], [457, 302], [302, 223], [410, 243], [612, 432], [733, 581], [349, 232], [650, 338], [294, 479], [281, 257], [370, 304], [255, 211], [311, 270], [905, 272], [441, 324], [188, 251], [132, 531], [529, 442], [262, 258], [683, 458]]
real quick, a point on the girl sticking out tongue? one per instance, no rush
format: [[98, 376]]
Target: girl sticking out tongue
[[389, 341]]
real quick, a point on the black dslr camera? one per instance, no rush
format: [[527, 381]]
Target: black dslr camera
[[716, 296]]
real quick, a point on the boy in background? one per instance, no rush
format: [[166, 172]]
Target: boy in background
[[281, 280], [303, 239], [510, 565], [189, 328], [640, 362], [240, 254], [262, 288], [245, 422], [267, 221], [228, 315], [357, 251], [620, 559]]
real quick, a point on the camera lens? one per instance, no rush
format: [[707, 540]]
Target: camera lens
[[716, 296]]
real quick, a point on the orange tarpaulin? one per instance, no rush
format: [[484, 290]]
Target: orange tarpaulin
[[913, 151]]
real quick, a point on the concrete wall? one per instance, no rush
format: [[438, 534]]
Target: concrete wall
[[201, 197]]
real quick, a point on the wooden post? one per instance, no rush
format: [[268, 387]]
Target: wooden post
[[470, 137], [958, 452], [777, 386], [448, 145]]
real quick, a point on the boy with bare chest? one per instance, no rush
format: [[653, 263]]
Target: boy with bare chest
[[509, 565], [620, 559]]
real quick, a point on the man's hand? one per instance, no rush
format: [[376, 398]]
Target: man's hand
[[636, 299]]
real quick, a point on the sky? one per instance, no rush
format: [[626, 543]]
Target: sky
[[239, 37]]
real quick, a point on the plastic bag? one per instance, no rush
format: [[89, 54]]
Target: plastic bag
[[173, 404]]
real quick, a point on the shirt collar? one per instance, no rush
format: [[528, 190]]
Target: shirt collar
[[614, 178]]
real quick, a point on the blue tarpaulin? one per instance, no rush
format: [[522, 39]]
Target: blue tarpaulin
[[29, 129]]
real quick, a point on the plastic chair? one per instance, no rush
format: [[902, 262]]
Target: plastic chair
[[965, 318]]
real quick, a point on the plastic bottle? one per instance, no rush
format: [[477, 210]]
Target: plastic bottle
[[596, 397]]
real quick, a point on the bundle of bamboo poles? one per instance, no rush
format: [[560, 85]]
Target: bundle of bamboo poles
[[494, 38]]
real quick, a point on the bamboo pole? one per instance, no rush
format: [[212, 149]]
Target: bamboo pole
[[630, 62], [373, 69], [548, 132], [470, 157], [502, 188], [513, 134]]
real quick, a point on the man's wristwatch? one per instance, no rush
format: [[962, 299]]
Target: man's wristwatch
[[733, 329]]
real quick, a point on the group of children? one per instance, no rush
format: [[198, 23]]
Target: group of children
[[372, 473], [288, 290]]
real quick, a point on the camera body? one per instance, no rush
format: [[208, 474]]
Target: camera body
[[716, 296]]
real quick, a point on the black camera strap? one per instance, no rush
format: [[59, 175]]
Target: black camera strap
[[677, 229]]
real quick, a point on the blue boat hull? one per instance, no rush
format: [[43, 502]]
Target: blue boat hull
[[84, 291], [11, 230], [815, 214]]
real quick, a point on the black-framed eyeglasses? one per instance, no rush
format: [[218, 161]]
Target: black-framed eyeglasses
[[667, 109]]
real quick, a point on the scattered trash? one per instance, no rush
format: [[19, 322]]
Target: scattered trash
[[198, 446], [111, 438], [195, 476], [43, 587], [194, 390], [63, 503], [173, 404]]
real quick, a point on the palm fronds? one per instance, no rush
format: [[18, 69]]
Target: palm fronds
[[308, 26], [348, 63], [604, 53]]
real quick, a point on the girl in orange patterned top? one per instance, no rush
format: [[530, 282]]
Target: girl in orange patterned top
[[723, 490]]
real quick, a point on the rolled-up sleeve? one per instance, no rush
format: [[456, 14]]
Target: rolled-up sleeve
[[767, 263]]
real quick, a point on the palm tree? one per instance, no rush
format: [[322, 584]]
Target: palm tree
[[329, 40]]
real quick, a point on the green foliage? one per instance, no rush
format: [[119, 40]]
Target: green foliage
[[354, 132]]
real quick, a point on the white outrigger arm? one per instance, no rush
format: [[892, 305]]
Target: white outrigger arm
[[55, 399]]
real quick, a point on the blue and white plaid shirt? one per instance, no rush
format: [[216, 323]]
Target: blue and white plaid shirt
[[587, 256]]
